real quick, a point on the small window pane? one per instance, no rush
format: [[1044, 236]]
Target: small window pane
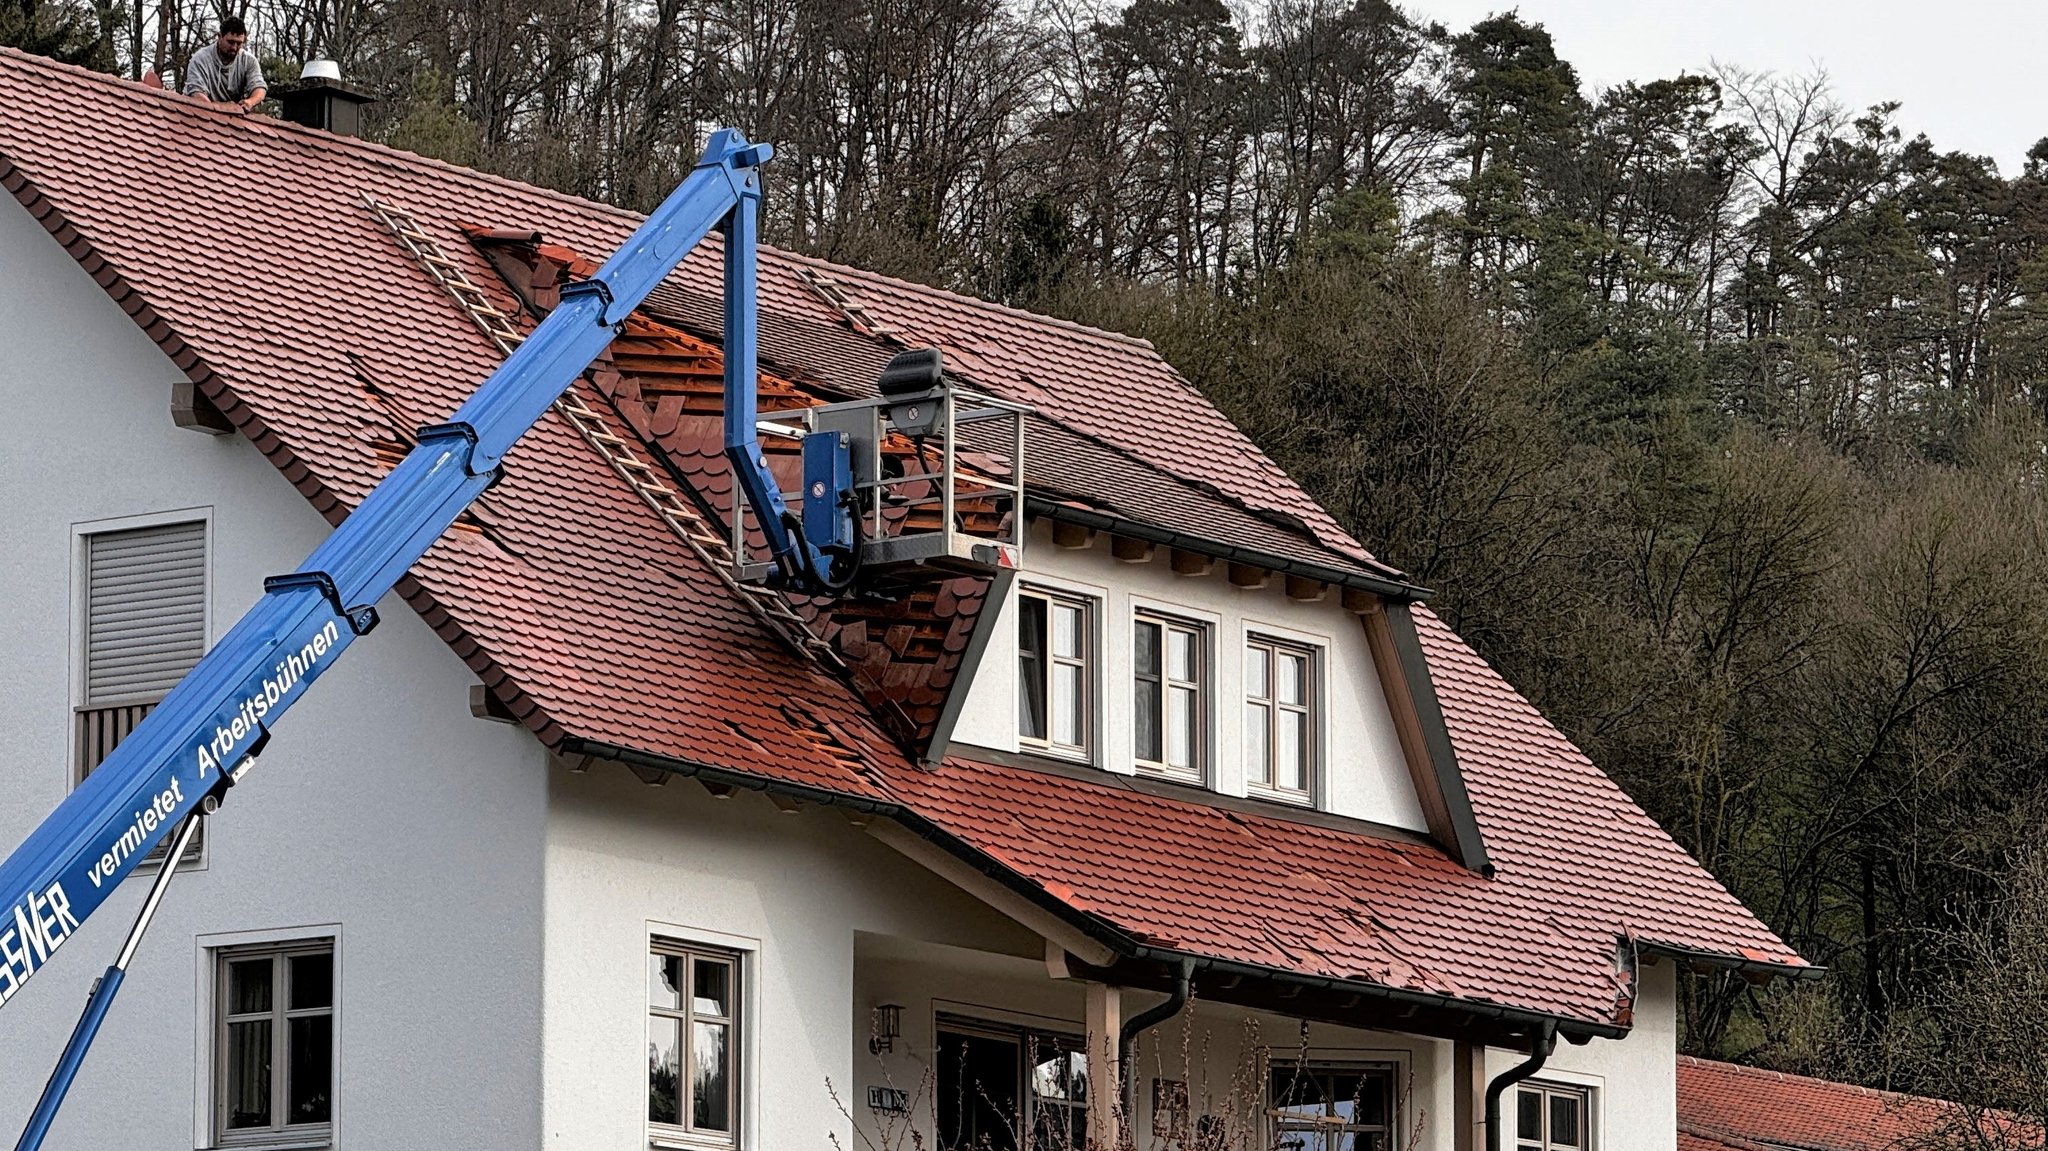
[[1180, 728], [1077, 1076], [1529, 1116], [1049, 1076], [710, 1109], [1362, 1099], [1257, 755], [312, 1069], [1255, 674], [665, 982], [664, 1069], [1145, 704], [1145, 653], [1031, 627], [1293, 747], [714, 983], [1564, 1121], [248, 1087], [1031, 720], [1293, 678], [249, 986], [1067, 631], [1069, 699], [1182, 655], [312, 981]]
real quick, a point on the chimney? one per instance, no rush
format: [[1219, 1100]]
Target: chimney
[[319, 99]]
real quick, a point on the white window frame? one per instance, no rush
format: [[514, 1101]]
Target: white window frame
[[209, 1048], [1315, 701], [195, 858], [1090, 664], [1548, 1089], [1203, 687], [743, 953]]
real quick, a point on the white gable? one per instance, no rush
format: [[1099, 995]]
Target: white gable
[[1363, 773]]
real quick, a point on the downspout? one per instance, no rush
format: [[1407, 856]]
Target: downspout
[[1183, 977], [1539, 1052]]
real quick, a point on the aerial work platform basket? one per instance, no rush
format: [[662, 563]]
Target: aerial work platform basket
[[934, 476]]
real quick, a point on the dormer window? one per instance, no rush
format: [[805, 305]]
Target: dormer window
[[1167, 696], [1054, 633], [1280, 719]]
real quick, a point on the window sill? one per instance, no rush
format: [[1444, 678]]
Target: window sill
[[682, 1142], [1079, 756], [1196, 778], [285, 1143], [1290, 798]]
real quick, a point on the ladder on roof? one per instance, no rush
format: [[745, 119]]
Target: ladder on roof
[[676, 510]]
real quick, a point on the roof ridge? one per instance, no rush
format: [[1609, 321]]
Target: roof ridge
[[1772, 1073], [315, 138]]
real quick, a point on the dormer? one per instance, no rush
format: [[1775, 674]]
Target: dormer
[[1177, 669], [1184, 615]]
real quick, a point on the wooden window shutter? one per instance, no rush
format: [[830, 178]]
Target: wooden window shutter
[[145, 611]]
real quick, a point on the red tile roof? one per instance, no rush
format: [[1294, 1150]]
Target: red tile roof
[[589, 618], [1723, 1105]]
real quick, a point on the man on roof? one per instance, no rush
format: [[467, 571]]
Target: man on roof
[[225, 71]]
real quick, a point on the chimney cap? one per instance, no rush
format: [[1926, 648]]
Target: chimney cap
[[320, 68]]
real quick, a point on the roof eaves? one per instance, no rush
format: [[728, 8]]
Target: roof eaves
[[1724, 1138], [1742, 964], [1398, 591], [1094, 926]]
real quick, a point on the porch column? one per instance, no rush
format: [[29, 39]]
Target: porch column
[[1105, 1094], [1468, 1102]]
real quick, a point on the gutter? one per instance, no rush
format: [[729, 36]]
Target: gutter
[[1397, 996], [1539, 1052], [1111, 937], [1715, 959], [1391, 589]]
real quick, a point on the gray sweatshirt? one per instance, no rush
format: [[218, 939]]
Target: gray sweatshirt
[[234, 80]]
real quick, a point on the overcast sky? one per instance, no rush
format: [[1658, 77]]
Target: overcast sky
[[1971, 74]]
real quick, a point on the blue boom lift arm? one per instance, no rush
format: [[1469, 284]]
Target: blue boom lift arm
[[181, 759]]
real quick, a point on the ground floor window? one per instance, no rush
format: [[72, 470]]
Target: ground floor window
[[1011, 1089], [274, 1043], [1552, 1117], [692, 1042], [1332, 1107]]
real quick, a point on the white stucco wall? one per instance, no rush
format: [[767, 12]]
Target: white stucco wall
[[1364, 774], [1634, 1080], [1214, 1048], [791, 892], [381, 811]]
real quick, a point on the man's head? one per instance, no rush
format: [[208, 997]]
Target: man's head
[[234, 36]]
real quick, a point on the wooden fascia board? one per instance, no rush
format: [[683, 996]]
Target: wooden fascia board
[[1425, 741], [997, 896], [992, 602]]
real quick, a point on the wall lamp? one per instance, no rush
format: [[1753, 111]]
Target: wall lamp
[[886, 1028]]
